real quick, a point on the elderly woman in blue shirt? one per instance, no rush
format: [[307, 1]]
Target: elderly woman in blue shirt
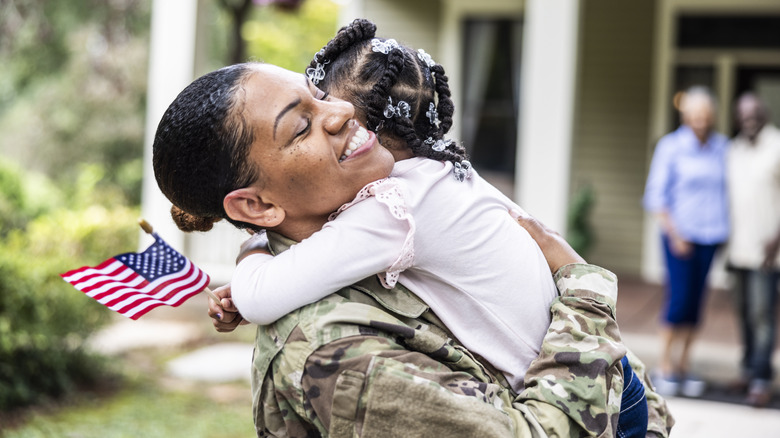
[[686, 191]]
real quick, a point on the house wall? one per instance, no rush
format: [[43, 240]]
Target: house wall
[[412, 22], [611, 130]]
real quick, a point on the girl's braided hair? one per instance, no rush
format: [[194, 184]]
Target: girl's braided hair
[[376, 81]]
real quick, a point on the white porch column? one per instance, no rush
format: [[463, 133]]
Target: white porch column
[[548, 74], [171, 64], [351, 9]]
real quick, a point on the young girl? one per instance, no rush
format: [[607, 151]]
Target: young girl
[[443, 230], [435, 225]]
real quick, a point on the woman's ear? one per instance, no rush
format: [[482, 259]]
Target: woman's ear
[[246, 205]]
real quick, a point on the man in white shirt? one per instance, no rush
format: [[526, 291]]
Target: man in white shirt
[[754, 195]]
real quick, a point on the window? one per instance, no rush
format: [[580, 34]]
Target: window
[[719, 31], [491, 93], [731, 55]]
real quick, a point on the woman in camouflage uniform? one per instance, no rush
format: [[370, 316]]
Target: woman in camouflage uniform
[[367, 361]]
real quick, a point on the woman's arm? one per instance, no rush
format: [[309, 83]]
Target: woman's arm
[[572, 280], [659, 177], [556, 250], [657, 195]]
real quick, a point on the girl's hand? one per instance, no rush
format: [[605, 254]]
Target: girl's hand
[[227, 318]]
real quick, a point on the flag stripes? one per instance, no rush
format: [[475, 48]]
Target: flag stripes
[[133, 284]]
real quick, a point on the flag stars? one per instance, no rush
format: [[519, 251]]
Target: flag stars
[[158, 260]]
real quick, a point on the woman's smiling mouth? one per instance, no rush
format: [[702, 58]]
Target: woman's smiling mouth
[[358, 140]]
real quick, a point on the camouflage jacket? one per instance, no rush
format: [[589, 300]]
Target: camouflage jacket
[[370, 362]]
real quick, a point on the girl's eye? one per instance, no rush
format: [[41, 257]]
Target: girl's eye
[[324, 96]]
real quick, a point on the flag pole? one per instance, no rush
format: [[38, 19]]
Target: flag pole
[[147, 227]]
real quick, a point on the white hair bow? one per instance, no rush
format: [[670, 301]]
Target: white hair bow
[[402, 109]]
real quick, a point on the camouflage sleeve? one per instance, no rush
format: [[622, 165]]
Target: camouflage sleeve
[[577, 280], [579, 284], [578, 370]]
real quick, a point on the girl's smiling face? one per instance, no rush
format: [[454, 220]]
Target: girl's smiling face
[[312, 154]]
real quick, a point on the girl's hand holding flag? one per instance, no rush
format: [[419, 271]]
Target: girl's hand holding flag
[[225, 314]]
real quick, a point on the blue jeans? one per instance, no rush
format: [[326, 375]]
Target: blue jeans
[[686, 283], [756, 301], [633, 405]]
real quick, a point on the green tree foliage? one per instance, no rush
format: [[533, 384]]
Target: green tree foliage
[[45, 322], [73, 85], [287, 37], [13, 208]]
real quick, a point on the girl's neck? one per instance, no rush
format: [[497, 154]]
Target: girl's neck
[[397, 148]]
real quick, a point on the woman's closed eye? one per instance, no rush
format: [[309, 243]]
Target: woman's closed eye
[[305, 130], [321, 95]]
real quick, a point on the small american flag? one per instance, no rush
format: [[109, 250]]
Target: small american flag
[[135, 283]]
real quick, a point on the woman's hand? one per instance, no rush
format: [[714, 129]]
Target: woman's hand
[[556, 250], [227, 318], [680, 247], [257, 243]]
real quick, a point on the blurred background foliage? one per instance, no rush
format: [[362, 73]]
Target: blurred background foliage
[[72, 99], [288, 40], [73, 87], [579, 231], [44, 325], [72, 112]]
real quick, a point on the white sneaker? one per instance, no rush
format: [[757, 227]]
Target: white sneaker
[[693, 387], [667, 386]]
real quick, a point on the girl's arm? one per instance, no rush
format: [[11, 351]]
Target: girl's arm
[[363, 240]]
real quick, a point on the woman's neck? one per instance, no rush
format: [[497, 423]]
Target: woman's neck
[[299, 229]]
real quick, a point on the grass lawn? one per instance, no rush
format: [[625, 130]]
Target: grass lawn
[[147, 403], [144, 411]]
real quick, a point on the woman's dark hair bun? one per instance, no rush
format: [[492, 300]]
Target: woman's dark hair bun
[[189, 223]]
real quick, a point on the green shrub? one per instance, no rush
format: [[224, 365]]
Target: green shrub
[[24, 196], [44, 321], [579, 231]]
